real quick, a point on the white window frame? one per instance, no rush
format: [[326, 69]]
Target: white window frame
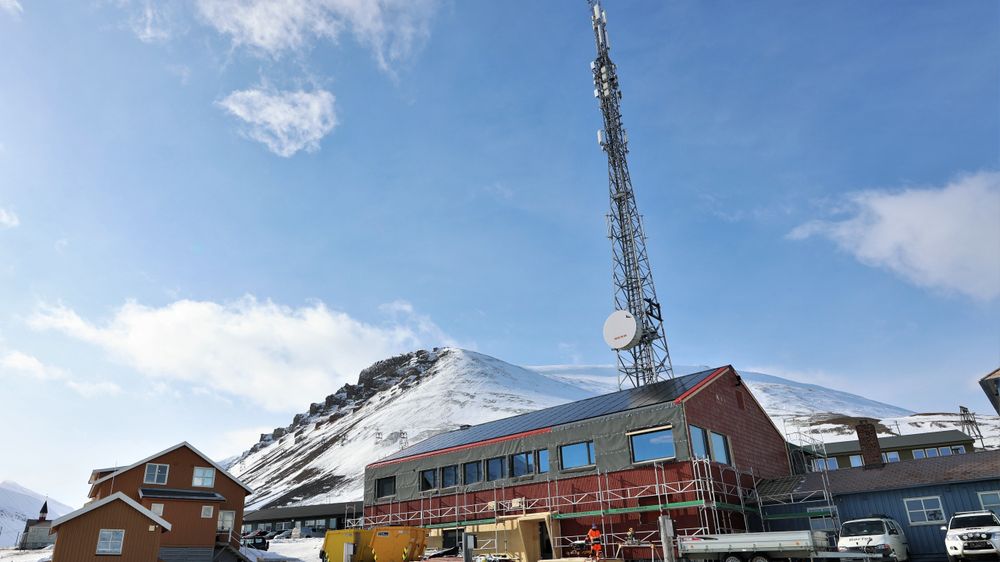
[[145, 474], [958, 449], [885, 457], [156, 508], [861, 461], [195, 478], [667, 428], [982, 504], [210, 509], [110, 542], [944, 515], [218, 525]]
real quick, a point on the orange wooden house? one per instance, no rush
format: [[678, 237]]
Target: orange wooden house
[[116, 526], [199, 500]]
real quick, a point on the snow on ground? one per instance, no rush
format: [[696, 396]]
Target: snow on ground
[[288, 550], [11, 555], [17, 504]]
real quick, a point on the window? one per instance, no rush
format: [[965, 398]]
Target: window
[[109, 541], [385, 487], [577, 455], [919, 454], [246, 528], [522, 464], [449, 476], [699, 442], [226, 520], [924, 511], [156, 473], [157, 508], [958, 449], [543, 461], [473, 472], [856, 461], [203, 477], [207, 511], [990, 501], [821, 518], [819, 465], [720, 448], [494, 469], [891, 456], [652, 445], [428, 480], [931, 452], [265, 526]]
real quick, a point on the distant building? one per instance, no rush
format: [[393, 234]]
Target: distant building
[[36, 531], [320, 517], [991, 386], [115, 526], [916, 446]]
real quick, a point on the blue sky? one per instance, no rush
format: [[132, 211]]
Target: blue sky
[[215, 212]]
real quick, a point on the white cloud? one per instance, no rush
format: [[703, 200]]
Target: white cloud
[[18, 363], [150, 23], [8, 219], [945, 238], [276, 356], [12, 7], [391, 28], [285, 121]]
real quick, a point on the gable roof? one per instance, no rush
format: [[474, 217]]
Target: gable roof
[[902, 441], [105, 501], [165, 451], [672, 390], [970, 467]]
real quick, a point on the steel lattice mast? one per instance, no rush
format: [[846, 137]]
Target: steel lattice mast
[[646, 358]]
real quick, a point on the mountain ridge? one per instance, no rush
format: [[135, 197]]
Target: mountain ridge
[[18, 504]]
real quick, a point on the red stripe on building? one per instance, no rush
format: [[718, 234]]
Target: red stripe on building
[[461, 447], [703, 382]]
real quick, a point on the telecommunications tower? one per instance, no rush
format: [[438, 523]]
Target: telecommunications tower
[[635, 329]]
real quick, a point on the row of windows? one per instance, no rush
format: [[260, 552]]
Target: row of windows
[[647, 445], [226, 517], [929, 511], [203, 477], [889, 456]]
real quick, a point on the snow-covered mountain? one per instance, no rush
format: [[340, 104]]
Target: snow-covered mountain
[[17, 505], [320, 457]]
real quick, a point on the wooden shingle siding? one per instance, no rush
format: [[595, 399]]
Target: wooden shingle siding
[[76, 540], [177, 554]]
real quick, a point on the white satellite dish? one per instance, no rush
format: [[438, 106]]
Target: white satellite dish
[[621, 331]]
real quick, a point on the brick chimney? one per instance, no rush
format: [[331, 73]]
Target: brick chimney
[[871, 451]]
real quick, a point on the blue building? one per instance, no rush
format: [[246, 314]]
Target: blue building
[[919, 494]]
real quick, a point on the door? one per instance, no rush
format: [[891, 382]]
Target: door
[[546, 542]]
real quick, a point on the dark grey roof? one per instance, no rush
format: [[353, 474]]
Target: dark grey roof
[[302, 511], [991, 386], [629, 399], [175, 494], [970, 467], [902, 441]]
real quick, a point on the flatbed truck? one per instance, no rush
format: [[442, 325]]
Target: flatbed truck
[[765, 547]]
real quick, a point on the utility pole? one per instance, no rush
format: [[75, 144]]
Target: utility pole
[[635, 330]]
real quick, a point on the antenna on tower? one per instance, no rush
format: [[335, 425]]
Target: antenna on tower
[[635, 329]]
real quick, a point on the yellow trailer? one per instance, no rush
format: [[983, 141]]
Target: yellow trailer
[[381, 544]]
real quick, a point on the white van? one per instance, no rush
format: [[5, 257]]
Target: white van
[[877, 534]]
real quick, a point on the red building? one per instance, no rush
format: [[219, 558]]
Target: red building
[[201, 504], [690, 448]]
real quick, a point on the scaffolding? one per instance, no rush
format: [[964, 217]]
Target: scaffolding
[[813, 502], [723, 497]]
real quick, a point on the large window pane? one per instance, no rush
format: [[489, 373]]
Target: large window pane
[[577, 454], [720, 448], [699, 442], [473, 472], [449, 476], [428, 480], [494, 469], [543, 461], [522, 464], [653, 445], [918, 454], [385, 487], [857, 461]]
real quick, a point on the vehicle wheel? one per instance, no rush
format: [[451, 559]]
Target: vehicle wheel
[[732, 558], [952, 558], [759, 558]]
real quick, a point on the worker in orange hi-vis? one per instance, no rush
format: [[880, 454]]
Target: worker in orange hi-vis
[[594, 538]]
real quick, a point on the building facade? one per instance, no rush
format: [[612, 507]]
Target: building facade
[[36, 531], [916, 446], [535, 483], [320, 517], [113, 527], [202, 501]]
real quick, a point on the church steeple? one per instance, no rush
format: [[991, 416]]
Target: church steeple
[[44, 512]]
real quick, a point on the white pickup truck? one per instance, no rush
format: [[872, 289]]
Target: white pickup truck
[[764, 547]]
